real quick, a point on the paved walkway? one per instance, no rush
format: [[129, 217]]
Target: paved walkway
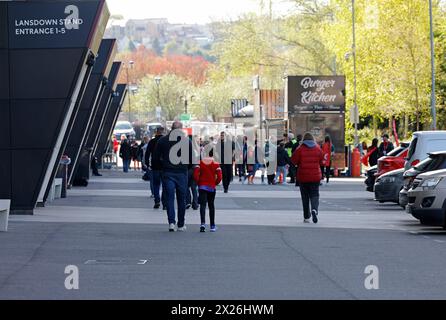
[[262, 249]]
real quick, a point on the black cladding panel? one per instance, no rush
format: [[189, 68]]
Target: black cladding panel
[[107, 52], [53, 79], [4, 126], [36, 126], [4, 74], [27, 165], [114, 73], [94, 85], [3, 25], [5, 174]]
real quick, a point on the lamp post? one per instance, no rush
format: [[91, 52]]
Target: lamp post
[[158, 108], [433, 95], [186, 103], [129, 66], [355, 97]]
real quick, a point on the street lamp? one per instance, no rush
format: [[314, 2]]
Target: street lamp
[[433, 96], [355, 98], [186, 103], [158, 108], [129, 66]]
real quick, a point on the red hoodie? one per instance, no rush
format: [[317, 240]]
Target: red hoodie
[[208, 174], [309, 161]]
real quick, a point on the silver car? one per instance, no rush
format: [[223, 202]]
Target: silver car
[[427, 198]]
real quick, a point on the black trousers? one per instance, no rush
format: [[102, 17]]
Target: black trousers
[[227, 175], [293, 172], [207, 198], [326, 171], [310, 194]]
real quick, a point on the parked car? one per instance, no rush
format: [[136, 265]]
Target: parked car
[[427, 198], [371, 173], [151, 128], [370, 178], [124, 128], [422, 144], [435, 161], [388, 186], [393, 162]]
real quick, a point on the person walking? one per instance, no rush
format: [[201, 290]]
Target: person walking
[[290, 147], [207, 175], [283, 163], [239, 156], [271, 159], [192, 190], [135, 151], [372, 156], [125, 153], [327, 150], [386, 146], [225, 156], [308, 158], [155, 166], [175, 173]]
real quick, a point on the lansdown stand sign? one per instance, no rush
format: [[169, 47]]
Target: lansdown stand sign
[[50, 26]]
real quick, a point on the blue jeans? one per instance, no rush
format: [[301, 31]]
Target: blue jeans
[[126, 164], [176, 184], [156, 186], [150, 175], [192, 200], [281, 169]]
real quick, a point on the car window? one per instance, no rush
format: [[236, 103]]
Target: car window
[[396, 152], [123, 126], [438, 163], [436, 145], [412, 148], [423, 165]]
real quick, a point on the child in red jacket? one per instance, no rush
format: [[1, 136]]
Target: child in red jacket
[[207, 175]]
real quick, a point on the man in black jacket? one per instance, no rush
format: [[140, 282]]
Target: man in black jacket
[[386, 146], [156, 166], [225, 156], [174, 152], [283, 160]]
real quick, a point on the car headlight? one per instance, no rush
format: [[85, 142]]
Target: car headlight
[[388, 179], [430, 184]]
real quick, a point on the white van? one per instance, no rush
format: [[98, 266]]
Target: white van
[[424, 142]]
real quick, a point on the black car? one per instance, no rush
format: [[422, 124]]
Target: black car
[[371, 172], [389, 185], [436, 161], [370, 180]]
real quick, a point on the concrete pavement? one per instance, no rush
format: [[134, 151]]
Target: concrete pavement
[[261, 251]]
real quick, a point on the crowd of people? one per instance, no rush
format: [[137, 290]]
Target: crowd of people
[[191, 179], [374, 152]]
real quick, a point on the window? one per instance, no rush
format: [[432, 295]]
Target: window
[[413, 147]]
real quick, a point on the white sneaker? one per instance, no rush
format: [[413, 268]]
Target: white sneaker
[[182, 229], [307, 221], [171, 227]]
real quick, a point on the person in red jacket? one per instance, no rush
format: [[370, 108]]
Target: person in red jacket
[[309, 159], [208, 175], [327, 150]]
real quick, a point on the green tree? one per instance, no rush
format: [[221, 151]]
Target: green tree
[[171, 91]]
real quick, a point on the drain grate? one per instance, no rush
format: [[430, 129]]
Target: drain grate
[[117, 262]]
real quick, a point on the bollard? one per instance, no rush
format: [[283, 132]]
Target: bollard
[[356, 163]]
